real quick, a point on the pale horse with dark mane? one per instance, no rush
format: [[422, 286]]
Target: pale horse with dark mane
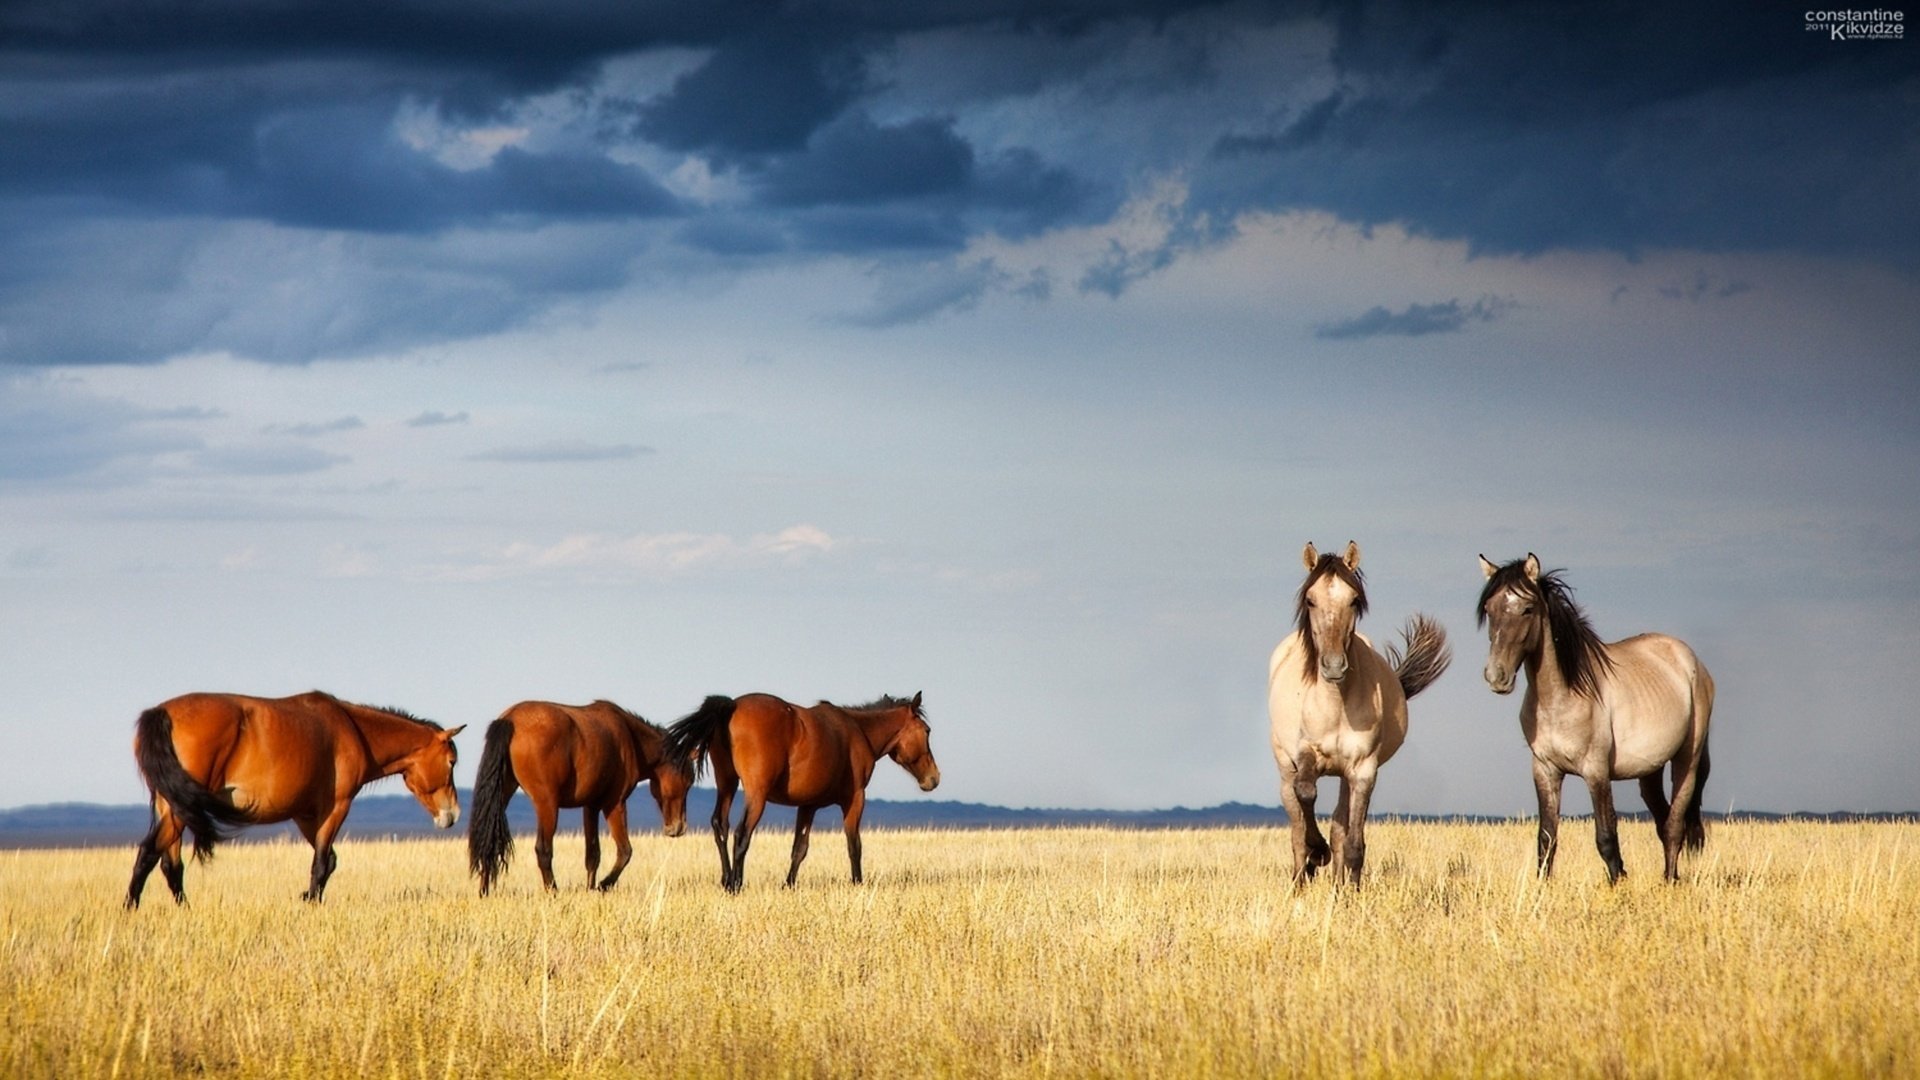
[[1339, 708], [1602, 711]]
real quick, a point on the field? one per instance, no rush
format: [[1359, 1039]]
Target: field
[[1792, 950]]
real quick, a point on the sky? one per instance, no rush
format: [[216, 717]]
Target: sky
[[445, 355]]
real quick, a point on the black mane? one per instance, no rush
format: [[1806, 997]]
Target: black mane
[[405, 715], [1337, 566], [1577, 649]]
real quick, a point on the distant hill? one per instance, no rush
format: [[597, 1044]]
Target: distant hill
[[93, 824]]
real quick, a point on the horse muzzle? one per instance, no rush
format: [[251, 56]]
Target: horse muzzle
[[930, 781], [446, 818], [1333, 669], [678, 828], [1499, 680]]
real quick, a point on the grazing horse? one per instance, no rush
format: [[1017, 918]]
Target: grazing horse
[[590, 756], [801, 757], [1603, 711], [218, 761], [1339, 708]]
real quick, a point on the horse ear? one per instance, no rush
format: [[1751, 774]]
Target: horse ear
[[1533, 567], [916, 699], [447, 736], [1486, 568], [1310, 556], [1353, 555]]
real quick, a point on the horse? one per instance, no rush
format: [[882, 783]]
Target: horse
[[215, 762], [590, 756], [800, 757], [1339, 708], [1605, 711]]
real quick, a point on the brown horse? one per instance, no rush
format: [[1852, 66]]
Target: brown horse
[[800, 757], [218, 761], [590, 756]]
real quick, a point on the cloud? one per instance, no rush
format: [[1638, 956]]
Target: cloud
[[649, 556], [53, 430], [275, 181], [922, 292], [436, 418], [310, 430], [561, 452], [1415, 321], [265, 459]]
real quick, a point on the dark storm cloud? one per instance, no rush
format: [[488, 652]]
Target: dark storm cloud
[[1416, 320], [54, 431], [1717, 126], [147, 147]]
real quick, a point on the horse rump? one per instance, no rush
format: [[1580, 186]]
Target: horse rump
[[691, 736], [210, 818], [489, 839]]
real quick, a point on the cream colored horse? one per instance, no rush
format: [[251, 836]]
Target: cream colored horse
[[1339, 708], [1602, 711]]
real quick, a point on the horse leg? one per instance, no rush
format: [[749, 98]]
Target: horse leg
[[724, 783], [1606, 826], [1656, 799], [1356, 792], [622, 845], [1696, 837], [749, 821], [855, 807], [1337, 829], [1297, 792], [149, 854], [320, 834], [590, 828], [802, 829], [546, 818], [1546, 787], [173, 866], [1685, 815]]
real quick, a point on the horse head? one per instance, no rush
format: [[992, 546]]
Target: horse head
[[428, 773], [671, 781], [911, 748], [1513, 609], [1329, 607]]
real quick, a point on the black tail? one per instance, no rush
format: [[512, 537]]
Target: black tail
[[210, 819], [489, 840], [1427, 655], [691, 736]]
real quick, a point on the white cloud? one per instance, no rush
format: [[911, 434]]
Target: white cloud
[[648, 556]]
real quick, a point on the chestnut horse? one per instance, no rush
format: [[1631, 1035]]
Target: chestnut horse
[[1603, 711], [218, 761], [800, 757], [1339, 708], [590, 756]]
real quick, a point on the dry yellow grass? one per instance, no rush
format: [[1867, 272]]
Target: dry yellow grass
[[1792, 950]]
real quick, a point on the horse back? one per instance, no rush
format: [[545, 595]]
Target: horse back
[[578, 755], [798, 756], [274, 757]]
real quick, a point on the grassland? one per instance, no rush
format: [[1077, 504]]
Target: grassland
[[1793, 950]]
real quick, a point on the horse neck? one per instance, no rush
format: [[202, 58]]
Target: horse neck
[[880, 727], [647, 740], [388, 738], [1543, 669]]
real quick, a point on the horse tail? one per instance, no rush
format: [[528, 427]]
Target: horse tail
[[691, 736], [1427, 655], [489, 839], [210, 818]]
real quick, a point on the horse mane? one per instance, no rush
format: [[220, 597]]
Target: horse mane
[[633, 716], [888, 701], [1577, 649], [405, 715], [1302, 622]]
